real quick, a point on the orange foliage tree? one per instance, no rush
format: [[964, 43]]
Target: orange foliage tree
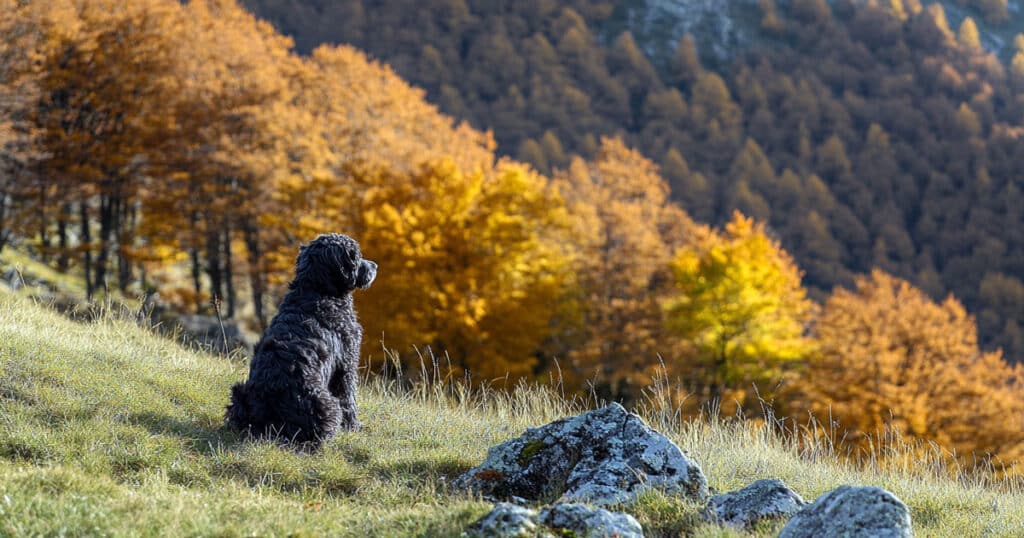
[[892, 359], [626, 230]]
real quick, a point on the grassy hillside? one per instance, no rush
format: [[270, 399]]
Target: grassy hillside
[[106, 429]]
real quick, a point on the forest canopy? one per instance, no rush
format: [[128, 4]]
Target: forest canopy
[[865, 134]]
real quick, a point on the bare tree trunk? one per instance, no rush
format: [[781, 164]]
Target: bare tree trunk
[[44, 236], [83, 213], [197, 283], [213, 263], [5, 234], [106, 232], [124, 234], [255, 275], [229, 269], [63, 258]]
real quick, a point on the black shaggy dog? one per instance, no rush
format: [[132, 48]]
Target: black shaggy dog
[[302, 381]]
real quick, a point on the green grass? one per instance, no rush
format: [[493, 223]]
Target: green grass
[[107, 429], [66, 290]]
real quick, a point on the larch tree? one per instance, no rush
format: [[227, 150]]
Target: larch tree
[[18, 94], [890, 358], [627, 229], [107, 71], [473, 265], [741, 313]]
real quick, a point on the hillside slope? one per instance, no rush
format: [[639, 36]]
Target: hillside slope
[[106, 429], [868, 134]]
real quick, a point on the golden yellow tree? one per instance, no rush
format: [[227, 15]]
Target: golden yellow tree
[[740, 306], [892, 359], [473, 264], [626, 230]]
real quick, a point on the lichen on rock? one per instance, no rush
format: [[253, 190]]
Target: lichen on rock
[[852, 512], [604, 456], [586, 522], [762, 500], [507, 520]]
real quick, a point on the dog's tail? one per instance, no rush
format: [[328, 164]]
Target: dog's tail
[[239, 411]]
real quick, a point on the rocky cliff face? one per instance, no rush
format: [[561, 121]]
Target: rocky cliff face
[[719, 28], [722, 29]]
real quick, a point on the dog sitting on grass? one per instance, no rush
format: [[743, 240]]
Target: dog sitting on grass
[[302, 380]]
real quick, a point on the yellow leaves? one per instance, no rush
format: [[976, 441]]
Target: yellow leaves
[[740, 302], [462, 255]]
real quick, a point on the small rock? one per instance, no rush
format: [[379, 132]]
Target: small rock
[[13, 279], [507, 521], [852, 512], [764, 499], [587, 522], [604, 456]]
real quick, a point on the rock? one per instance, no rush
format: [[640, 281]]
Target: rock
[[206, 331], [764, 499], [852, 512], [586, 522], [601, 457], [507, 520], [13, 279]]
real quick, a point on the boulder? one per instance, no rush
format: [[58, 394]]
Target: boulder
[[605, 456], [586, 522], [507, 520], [852, 512], [764, 499], [218, 336]]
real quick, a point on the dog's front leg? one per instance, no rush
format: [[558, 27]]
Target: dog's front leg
[[343, 387]]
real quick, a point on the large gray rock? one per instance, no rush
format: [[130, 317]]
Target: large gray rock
[[507, 520], [852, 512], [605, 456], [764, 499], [586, 522]]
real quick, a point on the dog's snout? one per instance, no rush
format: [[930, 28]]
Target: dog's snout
[[367, 273]]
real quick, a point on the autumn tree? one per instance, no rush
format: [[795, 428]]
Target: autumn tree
[[473, 265], [968, 36], [741, 312], [626, 230], [809, 98], [106, 74], [18, 92], [890, 358]]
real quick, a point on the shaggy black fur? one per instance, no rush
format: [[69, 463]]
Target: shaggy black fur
[[302, 381]]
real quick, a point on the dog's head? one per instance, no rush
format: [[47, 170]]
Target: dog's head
[[333, 265]]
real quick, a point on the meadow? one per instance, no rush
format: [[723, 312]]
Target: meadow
[[108, 429]]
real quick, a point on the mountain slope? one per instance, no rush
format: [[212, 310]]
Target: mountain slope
[[867, 136], [106, 429]]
